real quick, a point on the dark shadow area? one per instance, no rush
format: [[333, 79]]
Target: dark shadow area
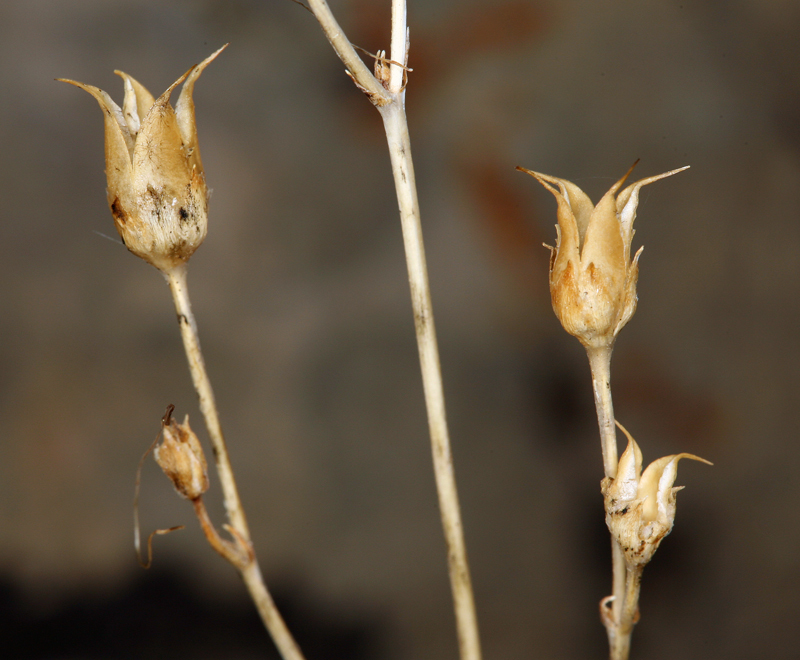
[[164, 615]]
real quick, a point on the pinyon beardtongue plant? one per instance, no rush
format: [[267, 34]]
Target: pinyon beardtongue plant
[[158, 197], [593, 290], [592, 276], [156, 185]]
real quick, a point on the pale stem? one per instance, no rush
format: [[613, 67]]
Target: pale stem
[[399, 47], [600, 364], [394, 119], [619, 572], [270, 616], [390, 103], [249, 570], [621, 645], [344, 49], [237, 554], [208, 406]]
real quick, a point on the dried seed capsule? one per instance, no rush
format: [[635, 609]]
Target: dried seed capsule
[[156, 185], [640, 507], [181, 457], [592, 276]]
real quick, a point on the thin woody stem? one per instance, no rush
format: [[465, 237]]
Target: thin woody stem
[[600, 363], [238, 556], [621, 646], [399, 47], [208, 407], [633, 586], [619, 634], [390, 103], [344, 49], [245, 562], [461, 585], [270, 616], [619, 571]]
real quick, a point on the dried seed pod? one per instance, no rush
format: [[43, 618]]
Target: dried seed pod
[[181, 457], [640, 507], [156, 185], [592, 276]]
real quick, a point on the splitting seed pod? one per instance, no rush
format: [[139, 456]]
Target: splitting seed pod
[[156, 185], [640, 506], [592, 276]]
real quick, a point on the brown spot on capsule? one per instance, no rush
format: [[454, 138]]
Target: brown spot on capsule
[[120, 217]]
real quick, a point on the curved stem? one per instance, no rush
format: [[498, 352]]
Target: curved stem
[[246, 563], [237, 554], [344, 49]]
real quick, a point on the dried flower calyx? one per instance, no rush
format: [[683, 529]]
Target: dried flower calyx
[[592, 276], [156, 186], [181, 457], [640, 507]]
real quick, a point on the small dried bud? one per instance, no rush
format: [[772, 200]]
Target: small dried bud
[[592, 276], [382, 69], [156, 186], [181, 457], [640, 508]]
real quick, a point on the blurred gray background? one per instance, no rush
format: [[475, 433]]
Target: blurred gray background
[[302, 300]]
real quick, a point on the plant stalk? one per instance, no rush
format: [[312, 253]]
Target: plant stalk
[[390, 101], [208, 406], [620, 641], [402, 167], [249, 570], [619, 625], [600, 364]]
